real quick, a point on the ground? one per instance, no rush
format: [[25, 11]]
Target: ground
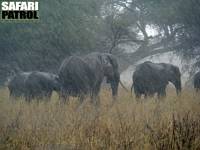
[[171, 123]]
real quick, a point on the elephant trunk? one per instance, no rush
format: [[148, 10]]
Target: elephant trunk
[[114, 87], [178, 87]]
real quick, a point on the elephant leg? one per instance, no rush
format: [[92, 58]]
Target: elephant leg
[[162, 93], [60, 96], [95, 93], [81, 98], [146, 94], [151, 94], [114, 87], [138, 92], [12, 97], [28, 98], [39, 96], [159, 95], [48, 96], [64, 96], [96, 100], [138, 96]]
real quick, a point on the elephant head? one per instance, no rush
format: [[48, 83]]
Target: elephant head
[[173, 75], [110, 69]]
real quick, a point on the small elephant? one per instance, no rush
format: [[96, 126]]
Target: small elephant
[[41, 85]]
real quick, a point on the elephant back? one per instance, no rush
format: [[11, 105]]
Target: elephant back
[[39, 81], [150, 73], [76, 76]]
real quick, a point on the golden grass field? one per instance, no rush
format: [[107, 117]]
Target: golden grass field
[[171, 123]]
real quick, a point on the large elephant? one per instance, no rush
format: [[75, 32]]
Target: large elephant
[[104, 65], [196, 81], [150, 78], [41, 85], [77, 79], [16, 84]]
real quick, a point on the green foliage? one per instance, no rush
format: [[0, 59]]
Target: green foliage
[[65, 27], [178, 21]]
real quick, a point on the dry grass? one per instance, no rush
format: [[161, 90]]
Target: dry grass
[[173, 123]]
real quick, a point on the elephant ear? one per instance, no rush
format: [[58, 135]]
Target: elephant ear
[[107, 65]]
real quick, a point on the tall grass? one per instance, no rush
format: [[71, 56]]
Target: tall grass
[[171, 123]]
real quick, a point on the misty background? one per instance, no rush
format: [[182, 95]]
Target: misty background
[[132, 30]]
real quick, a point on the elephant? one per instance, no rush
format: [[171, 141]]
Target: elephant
[[104, 65], [196, 81], [76, 78], [16, 84], [150, 78], [39, 85]]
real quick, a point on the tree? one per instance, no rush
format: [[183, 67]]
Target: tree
[[64, 28], [177, 21]]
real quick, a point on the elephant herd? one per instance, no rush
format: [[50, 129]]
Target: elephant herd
[[82, 76], [77, 76]]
